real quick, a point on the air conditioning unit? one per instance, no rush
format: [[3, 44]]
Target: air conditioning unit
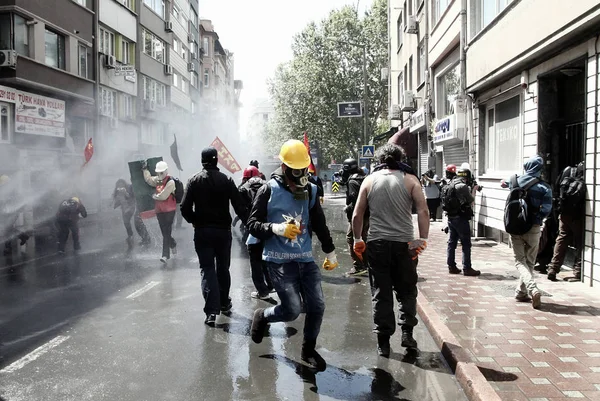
[[408, 101], [114, 122], [8, 58], [396, 112], [168, 69], [194, 56], [169, 26], [412, 26], [110, 61], [191, 67], [150, 105]]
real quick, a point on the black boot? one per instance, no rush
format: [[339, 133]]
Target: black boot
[[383, 345], [454, 270], [471, 272], [407, 339], [259, 325], [312, 357]]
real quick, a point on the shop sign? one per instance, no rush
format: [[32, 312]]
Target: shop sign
[[417, 120], [451, 128], [35, 114]]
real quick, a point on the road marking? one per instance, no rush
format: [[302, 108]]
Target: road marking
[[35, 354], [142, 290]]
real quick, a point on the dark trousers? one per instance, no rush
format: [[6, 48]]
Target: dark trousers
[[570, 232], [64, 227], [213, 246], [459, 229], [433, 205], [392, 271], [260, 271], [140, 227], [165, 222], [356, 262]]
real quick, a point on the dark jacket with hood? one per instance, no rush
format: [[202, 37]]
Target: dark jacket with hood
[[540, 195], [207, 197], [352, 189], [249, 189], [261, 228]]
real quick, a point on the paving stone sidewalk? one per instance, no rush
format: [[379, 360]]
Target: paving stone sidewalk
[[549, 354]]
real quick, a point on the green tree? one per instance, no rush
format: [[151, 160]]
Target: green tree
[[326, 70]]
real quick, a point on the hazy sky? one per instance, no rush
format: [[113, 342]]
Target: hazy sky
[[259, 33]]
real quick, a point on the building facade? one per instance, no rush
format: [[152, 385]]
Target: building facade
[[494, 105]]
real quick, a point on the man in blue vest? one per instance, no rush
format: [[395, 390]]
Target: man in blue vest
[[285, 213]]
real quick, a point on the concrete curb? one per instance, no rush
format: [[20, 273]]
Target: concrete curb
[[475, 385]]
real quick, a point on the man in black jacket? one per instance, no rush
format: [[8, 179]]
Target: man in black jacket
[[206, 206], [354, 176]]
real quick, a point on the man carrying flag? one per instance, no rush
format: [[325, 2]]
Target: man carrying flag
[[88, 152]]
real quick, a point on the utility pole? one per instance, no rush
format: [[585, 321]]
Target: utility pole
[[365, 98]]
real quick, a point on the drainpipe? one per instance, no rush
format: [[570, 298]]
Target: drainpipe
[[596, 59], [95, 52], [427, 89], [389, 37], [463, 76]]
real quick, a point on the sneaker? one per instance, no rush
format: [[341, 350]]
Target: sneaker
[[407, 340], [174, 250], [255, 294], [312, 357], [522, 297], [227, 308], [536, 300], [471, 272], [551, 276], [383, 345], [259, 325], [454, 270], [210, 320], [164, 259]]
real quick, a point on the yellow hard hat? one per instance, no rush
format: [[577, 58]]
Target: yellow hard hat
[[76, 199], [294, 154]]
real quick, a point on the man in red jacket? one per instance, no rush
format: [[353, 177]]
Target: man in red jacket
[[165, 205]]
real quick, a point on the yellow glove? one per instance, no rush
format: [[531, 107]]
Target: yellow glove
[[330, 262], [287, 230], [322, 200], [416, 247], [359, 248]]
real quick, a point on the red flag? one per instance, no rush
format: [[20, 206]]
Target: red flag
[[88, 151], [225, 157], [311, 167]]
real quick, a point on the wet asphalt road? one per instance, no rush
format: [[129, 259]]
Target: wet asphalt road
[[107, 325]]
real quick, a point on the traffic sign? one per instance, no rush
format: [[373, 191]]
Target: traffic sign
[[363, 161], [368, 151], [349, 109], [335, 187]]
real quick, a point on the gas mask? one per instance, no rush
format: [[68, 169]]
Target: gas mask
[[162, 175], [297, 176]]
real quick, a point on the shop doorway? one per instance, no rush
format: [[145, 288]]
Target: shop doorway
[[561, 123]]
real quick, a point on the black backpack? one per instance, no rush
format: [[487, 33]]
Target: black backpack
[[179, 189], [518, 212], [450, 202], [572, 191]]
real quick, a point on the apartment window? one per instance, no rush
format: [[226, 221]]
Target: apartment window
[[107, 42], [108, 102], [205, 46], [410, 73], [126, 50], [194, 107], [176, 46], [486, 11], [405, 14], [158, 6], [153, 46], [410, 7], [21, 35], [503, 148], [400, 87], [5, 129], [448, 88], [153, 133], [400, 28], [127, 106], [80, 2], [194, 48], [176, 80], [185, 86], [206, 78], [439, 6], [128, 3], [421, 64], [55, 50], [155, 91], [194, 79], [83, 61], [175, 12], [193, 17]]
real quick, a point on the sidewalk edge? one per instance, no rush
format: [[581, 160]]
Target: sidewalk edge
[[475, 385]]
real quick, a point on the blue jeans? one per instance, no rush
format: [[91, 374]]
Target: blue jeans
[[290, 279], [214, 245], [459, 229]]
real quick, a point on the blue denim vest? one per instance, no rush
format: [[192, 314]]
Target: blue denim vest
[[281, 207]]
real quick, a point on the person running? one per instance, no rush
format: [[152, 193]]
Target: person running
[[389, 195], [124, 198], [260, 272], [283, 214], [67, 220], [205, 205], [165, 205]]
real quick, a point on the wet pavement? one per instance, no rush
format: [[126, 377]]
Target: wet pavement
[[108, 325]]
